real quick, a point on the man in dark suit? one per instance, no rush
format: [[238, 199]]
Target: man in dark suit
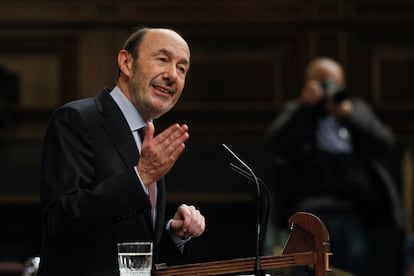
[[98, 174]]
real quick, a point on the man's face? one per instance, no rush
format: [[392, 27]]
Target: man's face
[[158, 75]]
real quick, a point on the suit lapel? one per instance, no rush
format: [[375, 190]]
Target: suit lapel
[[117, 128], [119, 132]]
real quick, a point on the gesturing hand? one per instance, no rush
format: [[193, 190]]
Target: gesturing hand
[[159, 153], [187, 222]]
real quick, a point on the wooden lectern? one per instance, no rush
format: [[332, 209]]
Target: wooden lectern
[[307, 245]]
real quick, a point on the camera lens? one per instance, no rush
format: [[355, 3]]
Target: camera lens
[[333, 92]]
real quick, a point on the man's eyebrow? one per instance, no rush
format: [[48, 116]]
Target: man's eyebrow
[[170, 54]]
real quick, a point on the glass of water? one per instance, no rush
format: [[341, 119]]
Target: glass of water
[[135, 258]]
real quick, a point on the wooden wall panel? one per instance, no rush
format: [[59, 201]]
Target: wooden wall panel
[[45, 64], [248, 59], [393, 72], [332, 43], [154, 12], [382, 11], [380, 71], [237, 79]]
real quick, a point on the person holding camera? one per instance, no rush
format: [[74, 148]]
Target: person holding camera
[[326, 149]]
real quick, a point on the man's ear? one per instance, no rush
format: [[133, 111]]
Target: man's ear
[[125, 62]]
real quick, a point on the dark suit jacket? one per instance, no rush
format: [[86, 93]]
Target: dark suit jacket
[[91, 196], [292, 138]]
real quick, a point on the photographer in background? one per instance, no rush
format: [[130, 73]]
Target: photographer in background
[[326, 147]]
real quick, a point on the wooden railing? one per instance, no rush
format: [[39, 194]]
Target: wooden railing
[[308, 245]]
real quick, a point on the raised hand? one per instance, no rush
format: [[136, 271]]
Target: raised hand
[[159, 153]]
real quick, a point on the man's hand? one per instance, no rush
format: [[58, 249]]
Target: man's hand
[[159, 153], [187, 222], [340, 110]]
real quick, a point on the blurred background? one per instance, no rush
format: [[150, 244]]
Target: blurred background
[[248, 59]]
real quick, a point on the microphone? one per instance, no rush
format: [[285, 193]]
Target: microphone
[[248, 173]]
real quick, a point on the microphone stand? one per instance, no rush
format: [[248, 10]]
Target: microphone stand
[[249, 174]]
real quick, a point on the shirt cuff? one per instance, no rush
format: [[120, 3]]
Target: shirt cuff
[[177, 241]]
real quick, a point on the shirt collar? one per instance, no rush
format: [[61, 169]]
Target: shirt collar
[[131, 114]]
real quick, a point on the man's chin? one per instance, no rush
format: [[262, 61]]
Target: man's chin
[[156, 113]]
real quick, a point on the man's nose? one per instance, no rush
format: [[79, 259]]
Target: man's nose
[[170, 73]]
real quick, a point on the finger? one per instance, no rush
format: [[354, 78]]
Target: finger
[[177, 139], [181, 135], [174, 133], [184, 127], [177, 225], [186, 213], [165, 134], [179, 218], [174, 144], [177, 148], [197, 224], [149, 131]]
